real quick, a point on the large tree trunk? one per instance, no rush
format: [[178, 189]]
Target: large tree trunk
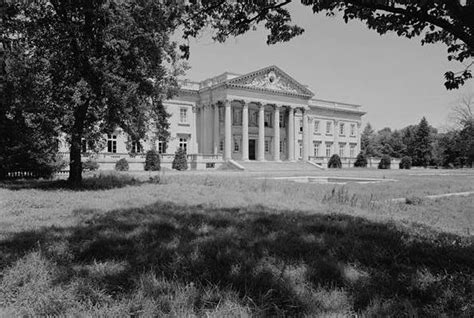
[[75, 164]]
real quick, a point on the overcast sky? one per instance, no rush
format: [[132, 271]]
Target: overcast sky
[[396, 80]]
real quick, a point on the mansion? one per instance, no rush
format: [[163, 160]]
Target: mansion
[[265, 115]]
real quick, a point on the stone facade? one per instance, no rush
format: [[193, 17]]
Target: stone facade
[[264, 115]]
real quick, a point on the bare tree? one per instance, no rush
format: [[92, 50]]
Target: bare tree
[[463, 111]]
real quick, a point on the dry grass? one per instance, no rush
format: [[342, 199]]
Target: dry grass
[[233, 245]]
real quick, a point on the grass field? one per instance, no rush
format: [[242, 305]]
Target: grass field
[[239, 244]]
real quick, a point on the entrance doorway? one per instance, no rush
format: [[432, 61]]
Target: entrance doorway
[[251, 149]]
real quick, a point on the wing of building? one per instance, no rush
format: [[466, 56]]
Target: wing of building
[[265, 115]]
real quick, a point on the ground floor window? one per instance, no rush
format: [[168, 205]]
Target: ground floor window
[[316, 149], [352, 150], [221, 145], [236, 144], [328, 149], [183, 143], [282, 146], [267, 146], [161, 147], [301, 149], [342, 150], [136, 147], [112, 143]]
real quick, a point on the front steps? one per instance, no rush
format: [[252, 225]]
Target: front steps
[[277, 166]]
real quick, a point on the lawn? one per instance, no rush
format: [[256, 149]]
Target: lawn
[[239, 244]]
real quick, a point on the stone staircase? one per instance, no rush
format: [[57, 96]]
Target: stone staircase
[[277, 166]]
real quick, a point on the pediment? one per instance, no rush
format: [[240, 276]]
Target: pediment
[[270, 79]]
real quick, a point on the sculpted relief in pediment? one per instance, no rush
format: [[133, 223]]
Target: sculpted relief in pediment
[[270, 81]]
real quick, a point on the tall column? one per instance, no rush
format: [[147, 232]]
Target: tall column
[[201, 132], [305, 135], [261, 133], [291, 134], [276, 133], [216, 129], [228, 132], [245, 131], [194, 137]]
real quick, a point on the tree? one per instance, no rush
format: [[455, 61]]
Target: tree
[[152, 161], [423, 148], [110, 63], [180, 161], [335, 161], [361, 160], [28, 127], [367, 141], [439, 21]]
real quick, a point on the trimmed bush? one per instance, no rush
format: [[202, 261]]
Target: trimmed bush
[[385, 162], [180, 162], [90, 165], [405, 163], [361, 161], [152, 161], [335, 162], [121, 165]]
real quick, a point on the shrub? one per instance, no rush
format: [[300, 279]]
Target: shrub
[[90, 165], [335, 162], [152, 161], [180, 161], [405, 163], [121, 165], [385, 162], [361, 160]]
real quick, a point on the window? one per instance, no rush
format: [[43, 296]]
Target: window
[[236, 145], [282, 146], [316, 126], [83, 145], [112, 143], [316, 148], [352, 150], [183, 143], [221, 114], [221, 145], [267, 146], [342, 148], [328, 127], [237, 116], [328, 149], [253, 118], [183, 115], [161, 147], [136, 147], [282, 120], [353, 130], [268, 119], [301, 125], [342, 129]]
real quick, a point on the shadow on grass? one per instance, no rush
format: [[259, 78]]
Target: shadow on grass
[[99, 181], [284, 264]]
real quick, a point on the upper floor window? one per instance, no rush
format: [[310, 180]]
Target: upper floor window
[[237, 116], [253, 118], [282, 120], [268, 119], [316, 126], [112, 143], [328, 127], [301, 125], [136, 147], [353, 130], [183, 115], [342, 129]]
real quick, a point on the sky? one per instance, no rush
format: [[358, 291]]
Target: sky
[[396, 80]]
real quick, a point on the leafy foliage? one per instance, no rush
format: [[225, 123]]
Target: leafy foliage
[[90, 165], [361, 160], [121, 165], [405, 163], [334, 161], [385, 162], [152, 161], [180, 161], [110, 63], [422, 154]]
